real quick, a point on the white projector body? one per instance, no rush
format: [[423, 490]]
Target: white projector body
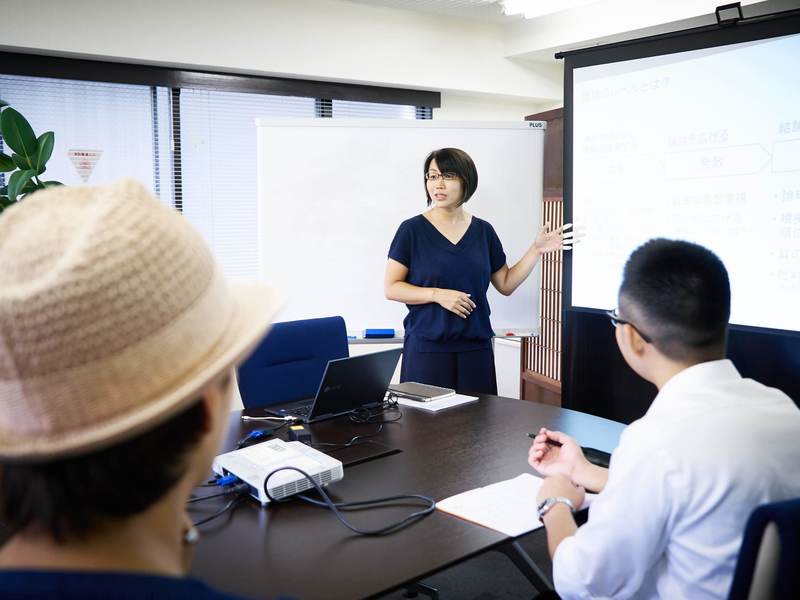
[[254, 463]]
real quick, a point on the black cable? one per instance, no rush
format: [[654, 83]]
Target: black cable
[[258, 435], [366, 415], [327, 502], [355, 440], [235, 500], [237, 489]]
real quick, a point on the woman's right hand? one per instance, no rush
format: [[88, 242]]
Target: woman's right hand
[[454, 301]]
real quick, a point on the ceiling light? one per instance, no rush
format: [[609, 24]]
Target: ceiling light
[[537, 8]]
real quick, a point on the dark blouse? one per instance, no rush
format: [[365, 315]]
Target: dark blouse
[[434, 261]]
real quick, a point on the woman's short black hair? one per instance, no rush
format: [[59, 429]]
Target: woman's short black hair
[[453, 160], [678, 293], [70, 497]]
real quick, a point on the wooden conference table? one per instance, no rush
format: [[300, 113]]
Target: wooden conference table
[[298, 550]]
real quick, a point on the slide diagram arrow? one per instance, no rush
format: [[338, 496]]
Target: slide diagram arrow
[[723, 161]]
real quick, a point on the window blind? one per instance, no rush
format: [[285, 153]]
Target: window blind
[[218, 159], [372, 110], [115, 125]]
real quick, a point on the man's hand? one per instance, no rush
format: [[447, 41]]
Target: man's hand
[[548, 458], [558, 485], [454, 301]]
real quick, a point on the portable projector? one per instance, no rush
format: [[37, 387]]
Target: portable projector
[[254, 463]]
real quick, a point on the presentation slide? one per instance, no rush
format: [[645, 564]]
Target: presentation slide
[[701, 146]]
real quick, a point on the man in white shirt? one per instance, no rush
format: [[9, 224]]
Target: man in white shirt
[[672, 507]]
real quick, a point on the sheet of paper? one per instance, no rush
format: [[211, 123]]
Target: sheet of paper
[[437, 405], [507, 506]]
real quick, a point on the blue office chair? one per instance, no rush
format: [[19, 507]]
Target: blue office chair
[[290, 361], [769, 560]]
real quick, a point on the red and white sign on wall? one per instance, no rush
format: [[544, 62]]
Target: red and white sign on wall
[[84, 161]]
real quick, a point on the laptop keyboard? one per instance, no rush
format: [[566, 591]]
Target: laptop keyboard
[[298, 410], [301, 411]]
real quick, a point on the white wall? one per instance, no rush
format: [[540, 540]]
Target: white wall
[[316, 39], [464, 107], [485, 70]]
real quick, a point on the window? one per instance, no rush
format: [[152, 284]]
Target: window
[[124, 128], [372, 110], [218, 158], [194, 148]]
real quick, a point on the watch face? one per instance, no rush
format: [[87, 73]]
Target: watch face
[[544, 506]]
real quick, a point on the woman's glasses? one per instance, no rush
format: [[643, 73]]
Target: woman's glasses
[[437, 176]]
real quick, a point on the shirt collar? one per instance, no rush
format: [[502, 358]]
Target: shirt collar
[[689, 381]]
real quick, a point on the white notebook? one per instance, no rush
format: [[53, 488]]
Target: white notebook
[[421, 392], [508, 506]]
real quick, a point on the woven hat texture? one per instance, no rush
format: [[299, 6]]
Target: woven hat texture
[[113, 316]]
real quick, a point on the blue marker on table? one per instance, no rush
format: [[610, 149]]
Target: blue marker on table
[[378, 333]]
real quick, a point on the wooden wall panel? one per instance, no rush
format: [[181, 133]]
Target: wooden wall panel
[[540, 379]]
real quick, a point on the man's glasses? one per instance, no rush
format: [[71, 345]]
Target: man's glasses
[[616, 320], [437, 176]]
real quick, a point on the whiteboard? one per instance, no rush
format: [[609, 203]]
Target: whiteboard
[[332, 193]]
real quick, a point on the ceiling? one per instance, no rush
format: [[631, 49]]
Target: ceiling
[[482, 10], [589, 24]]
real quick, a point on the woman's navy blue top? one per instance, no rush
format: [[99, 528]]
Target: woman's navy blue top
[[433, 261]]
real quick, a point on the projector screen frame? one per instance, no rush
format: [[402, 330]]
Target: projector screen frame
[[625, 396]]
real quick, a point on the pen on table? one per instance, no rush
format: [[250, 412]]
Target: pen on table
[[549, 441]]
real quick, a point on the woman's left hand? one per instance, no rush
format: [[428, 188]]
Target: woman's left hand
[[552, 240]]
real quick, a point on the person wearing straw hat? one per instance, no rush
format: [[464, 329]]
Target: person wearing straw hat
[[118, 338]]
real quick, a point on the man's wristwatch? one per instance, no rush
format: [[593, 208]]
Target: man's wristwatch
[[550, 502]]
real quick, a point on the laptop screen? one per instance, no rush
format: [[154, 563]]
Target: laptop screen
[[353, 382]]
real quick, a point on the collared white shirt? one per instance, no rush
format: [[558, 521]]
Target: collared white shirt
[[681, 486]]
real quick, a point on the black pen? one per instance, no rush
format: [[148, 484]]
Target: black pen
[[549, 441]]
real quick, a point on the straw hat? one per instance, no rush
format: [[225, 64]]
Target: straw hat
[[113, 317]]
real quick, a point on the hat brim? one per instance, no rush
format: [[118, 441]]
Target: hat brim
[[255, 307]]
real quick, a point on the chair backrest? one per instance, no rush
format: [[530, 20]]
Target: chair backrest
[[290, 361], [769, 560]]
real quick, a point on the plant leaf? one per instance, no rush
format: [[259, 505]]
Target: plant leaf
[[3, 103], [49, 184], [6, 164], [16, 182], [43, 151], [21, 162], [17, 133], [5, 202]]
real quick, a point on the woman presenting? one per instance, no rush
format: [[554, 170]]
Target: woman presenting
[[440, 265]]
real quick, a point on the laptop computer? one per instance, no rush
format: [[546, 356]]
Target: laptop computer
[[347, 384]]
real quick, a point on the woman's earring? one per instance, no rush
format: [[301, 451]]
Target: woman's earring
[[191, 536]]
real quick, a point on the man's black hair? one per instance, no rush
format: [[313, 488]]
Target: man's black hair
[[69, 497], [678, 294], [453, 160]]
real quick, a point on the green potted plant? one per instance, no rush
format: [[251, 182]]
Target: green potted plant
[[28, 157]]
